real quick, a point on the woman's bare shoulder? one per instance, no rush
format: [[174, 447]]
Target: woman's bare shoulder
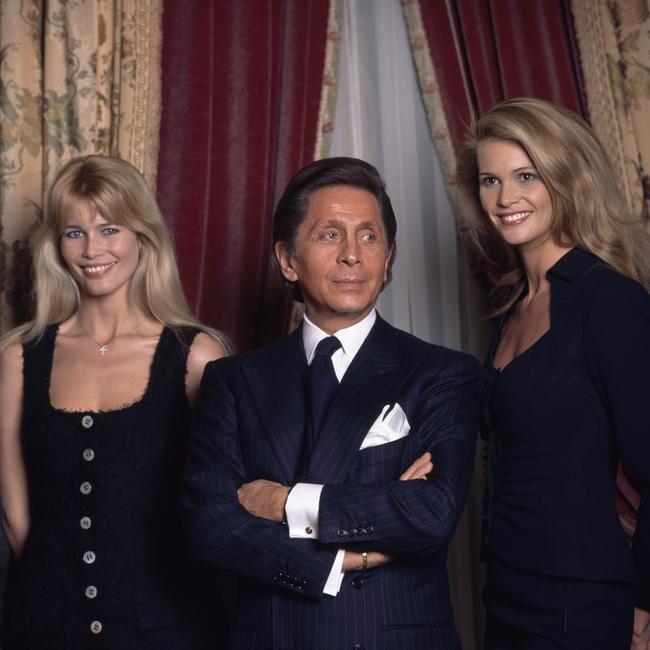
[[205, 349]]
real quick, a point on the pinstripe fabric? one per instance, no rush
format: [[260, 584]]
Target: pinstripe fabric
[[250, 425]]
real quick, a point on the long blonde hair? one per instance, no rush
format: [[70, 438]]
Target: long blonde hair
[[589, 209], [120, 194]]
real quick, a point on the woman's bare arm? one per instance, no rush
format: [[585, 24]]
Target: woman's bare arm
[[13, 479]]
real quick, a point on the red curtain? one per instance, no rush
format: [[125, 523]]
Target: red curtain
[[486, 51], [240, 96]]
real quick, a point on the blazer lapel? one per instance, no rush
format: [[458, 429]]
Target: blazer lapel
[[370, 381], [277, 388]]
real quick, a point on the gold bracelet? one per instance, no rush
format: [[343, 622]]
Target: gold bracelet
[[364, 561]]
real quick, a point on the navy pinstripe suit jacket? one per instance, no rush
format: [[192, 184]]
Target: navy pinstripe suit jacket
[[250, 424]]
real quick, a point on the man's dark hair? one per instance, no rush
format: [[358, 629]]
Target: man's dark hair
[[293, 205]]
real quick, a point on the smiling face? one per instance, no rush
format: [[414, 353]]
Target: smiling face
[[101, 256], [513, 195], [339, 258]]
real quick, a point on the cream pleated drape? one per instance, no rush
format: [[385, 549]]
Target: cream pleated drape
[[614, 41], [76, 77]]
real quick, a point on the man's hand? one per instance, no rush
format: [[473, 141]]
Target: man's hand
[[640, 638], [264, 498], [267, 499], [354, 561], [419, 469]]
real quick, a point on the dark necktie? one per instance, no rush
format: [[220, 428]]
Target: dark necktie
[[321, 384]]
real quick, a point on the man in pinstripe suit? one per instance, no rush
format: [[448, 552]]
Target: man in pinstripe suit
[[334, 550]]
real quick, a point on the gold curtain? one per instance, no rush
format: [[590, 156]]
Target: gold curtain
[[76, 77], [614, 41]]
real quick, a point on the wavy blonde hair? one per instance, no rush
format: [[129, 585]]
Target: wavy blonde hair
[[589, 210], [120, 194]]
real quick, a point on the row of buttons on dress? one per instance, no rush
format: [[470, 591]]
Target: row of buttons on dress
[[85, 522]]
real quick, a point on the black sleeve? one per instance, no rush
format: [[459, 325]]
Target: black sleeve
[[617, 349]]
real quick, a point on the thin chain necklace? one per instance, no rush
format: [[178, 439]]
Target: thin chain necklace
[[102, 349]]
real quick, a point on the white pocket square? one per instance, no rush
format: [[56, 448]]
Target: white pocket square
[[388, 427]]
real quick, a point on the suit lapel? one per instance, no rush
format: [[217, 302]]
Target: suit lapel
[[277, 388], [368, 385]]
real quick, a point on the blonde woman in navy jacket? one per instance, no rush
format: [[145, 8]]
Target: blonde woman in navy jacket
[[569, 383]]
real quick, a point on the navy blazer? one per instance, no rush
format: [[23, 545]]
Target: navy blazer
[[565, 522], [250, 424]]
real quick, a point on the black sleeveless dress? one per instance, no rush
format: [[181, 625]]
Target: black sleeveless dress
[[104, 565]]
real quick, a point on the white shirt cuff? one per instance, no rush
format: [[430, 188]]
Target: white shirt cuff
[[335, 577], [302, 508]]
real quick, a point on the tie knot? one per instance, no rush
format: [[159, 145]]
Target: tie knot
[[327, 347]]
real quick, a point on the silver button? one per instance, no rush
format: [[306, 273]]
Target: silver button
[[85, 523], [87, 421], [89, 557], [91, 591], [95, 627], [89, 454], [85, 487]]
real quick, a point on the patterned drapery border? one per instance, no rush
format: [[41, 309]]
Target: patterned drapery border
[[330, 80], [145, 142], [614, 43], [434, 108]]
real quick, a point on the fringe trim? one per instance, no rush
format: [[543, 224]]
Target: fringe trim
[[592, 44], [329, 88], [145, 142]]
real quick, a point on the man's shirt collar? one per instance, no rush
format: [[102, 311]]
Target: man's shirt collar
[[351, 338]]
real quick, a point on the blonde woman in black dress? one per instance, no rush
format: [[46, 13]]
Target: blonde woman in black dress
[[95, 401]]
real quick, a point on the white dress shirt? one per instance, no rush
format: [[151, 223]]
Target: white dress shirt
[[303, 503]]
